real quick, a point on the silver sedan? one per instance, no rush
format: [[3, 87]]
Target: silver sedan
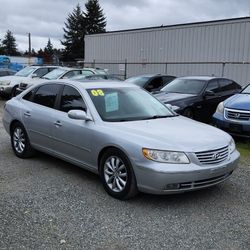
[[121, 132]]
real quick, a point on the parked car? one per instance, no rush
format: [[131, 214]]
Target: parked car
[[94, 71], [96, 77], [6, 72], [58, 73], [104, 127], [233, 115], [9, 84], [197, 97], [151, 82]]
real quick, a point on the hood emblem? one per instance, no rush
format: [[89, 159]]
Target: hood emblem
[[216, 156], [237, 115]]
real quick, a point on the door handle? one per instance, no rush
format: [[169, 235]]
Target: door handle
[[58, 124], [27, 114]]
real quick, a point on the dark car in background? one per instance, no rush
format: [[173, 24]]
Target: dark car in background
[[151, 82], [197, 96], [233, 115]]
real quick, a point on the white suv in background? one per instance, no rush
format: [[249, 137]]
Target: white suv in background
[[9, 84], [59, 73]]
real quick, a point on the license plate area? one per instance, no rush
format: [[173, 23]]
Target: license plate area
[[235, 127]]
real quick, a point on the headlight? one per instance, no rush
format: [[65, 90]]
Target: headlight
[[231, 146], [5, 83], [165, 156], [220, 108]]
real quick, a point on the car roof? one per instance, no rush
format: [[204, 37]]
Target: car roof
[[204, 78], [88, 84]]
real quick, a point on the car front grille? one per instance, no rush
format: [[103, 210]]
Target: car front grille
[[242, 115], [213, 156], [206, 182], [197, 184]]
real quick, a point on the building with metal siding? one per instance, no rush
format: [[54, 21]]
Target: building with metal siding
[[219, 47]]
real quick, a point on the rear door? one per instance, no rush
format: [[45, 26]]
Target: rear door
[[39, 114], [228, 88]]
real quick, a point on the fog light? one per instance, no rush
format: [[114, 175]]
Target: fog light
[[172, 186], [1, 89]]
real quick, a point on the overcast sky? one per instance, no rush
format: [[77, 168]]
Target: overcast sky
[[45, 18]]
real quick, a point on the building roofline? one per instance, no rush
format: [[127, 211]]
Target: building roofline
[[174, 25]]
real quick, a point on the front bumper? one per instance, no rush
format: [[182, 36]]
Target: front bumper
[[162, 178], [235, 128], [5, 90]]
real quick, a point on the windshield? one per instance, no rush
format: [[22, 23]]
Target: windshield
[[185, 86], [54, 74], [138, 80], [25, 72], [127, 104], [246, 90]]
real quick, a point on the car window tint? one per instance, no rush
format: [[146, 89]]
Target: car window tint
[[156, 83], [167, 79], [29, 95], [213, 85], [46, 95], [41, 72], [227, 84], [71, 74], [71, 99]]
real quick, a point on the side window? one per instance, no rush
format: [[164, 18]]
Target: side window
[[71, 99], [226, 84], [167, 79], [213, 85], [29, 95], [154, 84], [46, 95], [41, 72], [87, 72], [71, 74]]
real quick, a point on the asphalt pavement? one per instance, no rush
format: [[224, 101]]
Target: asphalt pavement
[[46, 203]]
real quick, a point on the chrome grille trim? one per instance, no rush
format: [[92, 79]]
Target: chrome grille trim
[[235, 114], [213, 156]]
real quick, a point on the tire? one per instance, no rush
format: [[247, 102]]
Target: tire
[[188, 113], [117, 175], [13, 92], [20, 142]]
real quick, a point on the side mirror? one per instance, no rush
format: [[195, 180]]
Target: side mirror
[[34, 75], [171, 107], [209, 93], [79, 115]]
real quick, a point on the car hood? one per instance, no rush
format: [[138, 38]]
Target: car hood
[[171, 97], [238, 101], [176, 133], [13, 79]]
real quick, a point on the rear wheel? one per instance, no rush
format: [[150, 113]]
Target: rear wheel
[[20, 142], [117, 175]]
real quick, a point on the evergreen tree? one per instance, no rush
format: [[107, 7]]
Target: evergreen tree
[[95, 19], [9, 44], [49, 48], [1, 48], [74, 33]]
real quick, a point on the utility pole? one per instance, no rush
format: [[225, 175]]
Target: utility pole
[[29, 44], [29, 59]]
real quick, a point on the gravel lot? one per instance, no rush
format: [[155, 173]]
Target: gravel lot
[[46, 203]]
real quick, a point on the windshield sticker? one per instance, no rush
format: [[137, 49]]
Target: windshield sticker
[[97, 92], [111, 102]]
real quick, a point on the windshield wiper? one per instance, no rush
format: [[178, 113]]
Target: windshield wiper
[[158, 117]]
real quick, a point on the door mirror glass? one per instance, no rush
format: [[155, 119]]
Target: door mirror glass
[[79, 115]]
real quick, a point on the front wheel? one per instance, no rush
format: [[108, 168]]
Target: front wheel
[[20, 142], [117, 175]]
